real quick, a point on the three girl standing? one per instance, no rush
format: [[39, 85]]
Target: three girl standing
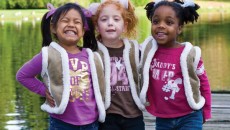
[[175, 86]]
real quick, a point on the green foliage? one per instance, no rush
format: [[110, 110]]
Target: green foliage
[[3, 4], [140, 2], [38, 4], [33, 4], [21, 4], [10, 4]]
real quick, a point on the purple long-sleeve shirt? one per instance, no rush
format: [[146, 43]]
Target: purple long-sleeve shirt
[[27, 75], [81, 108]]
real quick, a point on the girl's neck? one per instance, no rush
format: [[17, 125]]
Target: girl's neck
[[73, 49], [113, 43], [174, 45]]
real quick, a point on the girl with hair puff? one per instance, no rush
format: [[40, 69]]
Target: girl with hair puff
[[175, 86]]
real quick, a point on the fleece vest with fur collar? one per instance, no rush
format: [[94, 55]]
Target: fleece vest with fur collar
[[189, 60], [131, 61], [55, 74]]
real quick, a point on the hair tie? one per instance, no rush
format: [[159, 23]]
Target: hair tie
[[52, 10], [86, 12], [188, 3]]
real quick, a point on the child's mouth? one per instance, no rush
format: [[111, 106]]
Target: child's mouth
[[160, 35], [70, 32]]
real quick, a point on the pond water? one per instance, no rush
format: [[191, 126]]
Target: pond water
[[20, 41]]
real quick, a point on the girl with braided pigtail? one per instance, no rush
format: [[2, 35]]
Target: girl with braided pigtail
[[175, 87]]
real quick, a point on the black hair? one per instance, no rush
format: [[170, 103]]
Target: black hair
[[89, 40], [184, 14]]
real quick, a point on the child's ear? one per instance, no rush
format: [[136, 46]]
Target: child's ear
[[96, 29], [180, 28], [52, 29]]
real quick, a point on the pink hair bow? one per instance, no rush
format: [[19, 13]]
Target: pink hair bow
[[52, 10]]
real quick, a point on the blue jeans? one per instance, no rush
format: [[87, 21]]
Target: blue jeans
[[118, 122], [192, 121], [56, 124]]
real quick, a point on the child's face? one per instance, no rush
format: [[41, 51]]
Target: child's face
[[165, 26], [69, 29], [110, 24]]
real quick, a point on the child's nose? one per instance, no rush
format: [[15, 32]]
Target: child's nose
[[162, 25], [71, 23], [110, 22]]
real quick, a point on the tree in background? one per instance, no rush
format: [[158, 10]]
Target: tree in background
[[140, 2], [3, 4]]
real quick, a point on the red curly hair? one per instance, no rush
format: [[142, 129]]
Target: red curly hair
[[128, 16]]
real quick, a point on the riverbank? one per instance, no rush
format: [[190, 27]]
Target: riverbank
[[210, 7]]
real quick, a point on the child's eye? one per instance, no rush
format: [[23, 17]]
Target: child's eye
[[77, 22], [116, 19], [169, 22], [155, 21], [103, 19], [64, 20]]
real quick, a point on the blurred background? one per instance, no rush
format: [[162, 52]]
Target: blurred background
[[20, 40]]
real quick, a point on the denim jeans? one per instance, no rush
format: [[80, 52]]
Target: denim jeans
[[56, 124], [118, 122], [192, 121]]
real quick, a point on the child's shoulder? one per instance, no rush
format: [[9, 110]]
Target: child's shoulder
[[148, 42]]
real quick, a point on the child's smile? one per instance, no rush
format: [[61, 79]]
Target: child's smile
[[70, 28], [165, 26]]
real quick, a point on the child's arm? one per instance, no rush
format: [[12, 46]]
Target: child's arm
[[205, 90], [26, 75]]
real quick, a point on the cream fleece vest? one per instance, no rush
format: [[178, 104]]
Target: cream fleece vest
[[55, 74], [131, 60], [189, 61]]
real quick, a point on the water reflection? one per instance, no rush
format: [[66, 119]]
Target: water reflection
[[20, 41]]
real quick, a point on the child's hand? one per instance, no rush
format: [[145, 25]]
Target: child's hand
[[49, 98]]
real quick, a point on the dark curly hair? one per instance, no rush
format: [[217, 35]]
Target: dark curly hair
[[184, 14]]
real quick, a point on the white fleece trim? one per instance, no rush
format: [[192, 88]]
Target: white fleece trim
[[143, 46], [44, 60], [197, 57], [96, 88], [107, 74], [128, 68], [66, 82], [187, 85], [146, 68]]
